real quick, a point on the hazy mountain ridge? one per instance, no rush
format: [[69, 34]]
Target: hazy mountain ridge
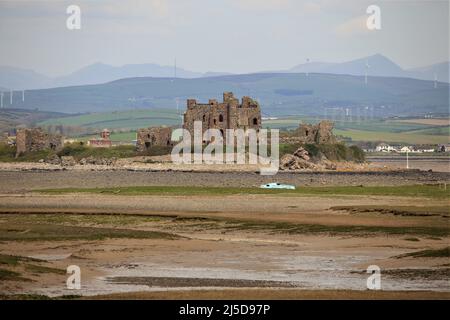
[[378, 65]]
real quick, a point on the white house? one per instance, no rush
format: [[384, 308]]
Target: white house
[[383, 147], [406, 149]]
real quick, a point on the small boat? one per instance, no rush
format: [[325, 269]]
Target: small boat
[[276, 185]]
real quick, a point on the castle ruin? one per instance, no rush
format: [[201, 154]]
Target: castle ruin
[[35, 139], [153, 137], [229, 114], [321, 133]]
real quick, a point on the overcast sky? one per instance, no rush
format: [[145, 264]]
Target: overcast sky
[[236, 36]]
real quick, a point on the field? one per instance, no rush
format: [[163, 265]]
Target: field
[[433, 122], [131, 119]]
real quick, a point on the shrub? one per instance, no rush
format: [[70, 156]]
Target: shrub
[[7, 153], [357, 154], [79, 151], [334, 152]]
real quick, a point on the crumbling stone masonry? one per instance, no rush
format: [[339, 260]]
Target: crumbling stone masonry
[[35, 139], [150, 137], [229, 114], [321, 133]]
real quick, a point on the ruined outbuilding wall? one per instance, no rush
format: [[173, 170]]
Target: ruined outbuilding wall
[[29, 140], [150, 137], [229, 114], [321, 133]]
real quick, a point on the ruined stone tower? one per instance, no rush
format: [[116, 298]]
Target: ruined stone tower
[[153, 137], [35, 139], [229, 114]]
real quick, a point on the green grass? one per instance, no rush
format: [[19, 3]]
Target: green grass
[[129, 119], [35, 269], [123, 136], [336, 230], [81, 151], [428, 191], [415, 211], [11, 260], [430, 253], [78, 151], [8, 154], [11, 276], [392, 137], [274, 227], [53, 232], [413, 239]]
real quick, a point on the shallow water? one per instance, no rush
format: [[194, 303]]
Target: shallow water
[[304, 272]]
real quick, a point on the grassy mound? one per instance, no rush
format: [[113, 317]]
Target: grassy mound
[[79, 151]]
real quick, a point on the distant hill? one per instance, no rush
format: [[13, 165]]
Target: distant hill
[[98, 73], [18, 79], [279, 94], [378, 65], [101, 73], [440, 71]]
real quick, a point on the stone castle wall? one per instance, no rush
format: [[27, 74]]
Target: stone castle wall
[[229, 114], [30, 140], [151, 137], [321, 133]]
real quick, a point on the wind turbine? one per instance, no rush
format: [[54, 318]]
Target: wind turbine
[[10, 97], [1, 100], [175, 68], [367, 71], [23, 95], [435, 80], [307, 62], [177, 101]]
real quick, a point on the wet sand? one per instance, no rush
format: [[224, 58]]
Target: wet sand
[[234, 246]]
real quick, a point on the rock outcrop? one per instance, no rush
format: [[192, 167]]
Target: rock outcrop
[[301, 160]]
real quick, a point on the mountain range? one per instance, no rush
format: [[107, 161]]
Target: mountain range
[[375, 65]]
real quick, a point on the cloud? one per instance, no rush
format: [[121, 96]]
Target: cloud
[[131, 8], [261, 5], [354, 26]]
